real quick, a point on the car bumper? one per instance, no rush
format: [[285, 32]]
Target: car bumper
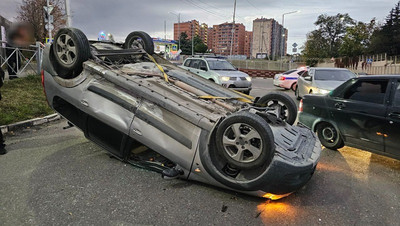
[[307, 120], [277, 82], [288, 175]]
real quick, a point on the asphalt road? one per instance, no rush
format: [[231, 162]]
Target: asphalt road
[[53, 176]]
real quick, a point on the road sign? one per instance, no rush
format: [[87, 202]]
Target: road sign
[[48, 9], [294, 50], [294, 45], [49, 40], [49, 18], [49, 27]]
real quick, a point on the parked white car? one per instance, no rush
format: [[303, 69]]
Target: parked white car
[[288, 80], [321, 81]]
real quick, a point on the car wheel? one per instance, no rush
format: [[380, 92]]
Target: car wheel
[[69, 50], [294, 87], [285, 107], [245, 140], [247, 92], [296, 93], [139, 40], [329, 136]]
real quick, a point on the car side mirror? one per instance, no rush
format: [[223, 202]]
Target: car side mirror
[[203, 68], [308, 78]]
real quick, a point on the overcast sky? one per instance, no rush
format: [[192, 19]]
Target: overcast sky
[[120, 17]]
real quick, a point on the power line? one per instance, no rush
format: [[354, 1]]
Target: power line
[[248, 1], [204, 9]]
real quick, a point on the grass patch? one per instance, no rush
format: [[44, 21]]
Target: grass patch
[[23, 99]]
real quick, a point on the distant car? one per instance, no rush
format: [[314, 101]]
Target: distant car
[[219, 71], [288, 80], [321, 80], [362, 113]]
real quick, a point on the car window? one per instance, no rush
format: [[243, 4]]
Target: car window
[[305, 74], [397, 96], [289, 72], [202, 64], [300, 72], [195, 64], [221, 65], [187, 63], [371, 91], [333, 75]]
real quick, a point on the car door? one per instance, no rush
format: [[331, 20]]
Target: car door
[[305, 82], [203, 70], [360, 113], [392, 132]]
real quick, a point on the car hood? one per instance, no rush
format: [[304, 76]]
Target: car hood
[[231, 73], [328, 85]]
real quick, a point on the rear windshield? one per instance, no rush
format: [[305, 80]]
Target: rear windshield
[[333, 75], [289, 72]]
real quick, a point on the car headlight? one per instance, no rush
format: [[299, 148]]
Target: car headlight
[[225, 78], [248, 79], [321, 91]]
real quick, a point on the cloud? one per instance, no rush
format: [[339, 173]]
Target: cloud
[[120, 17]]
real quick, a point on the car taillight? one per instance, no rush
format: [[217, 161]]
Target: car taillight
[[301, 106], [282, 78], [42, 74]]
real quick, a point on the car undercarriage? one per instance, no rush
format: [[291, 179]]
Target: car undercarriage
[[150, 113]]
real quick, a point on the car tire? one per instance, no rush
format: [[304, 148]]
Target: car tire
[[140, 40], [69, 50], [233, 145], [293, 87], [277, 99], [296, 93], [329, 136], [247, 92]]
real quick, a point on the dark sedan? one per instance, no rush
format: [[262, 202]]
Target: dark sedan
[[362, 113]]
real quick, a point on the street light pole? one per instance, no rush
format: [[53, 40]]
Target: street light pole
[[283, 32], [179, 27], [233, 27]]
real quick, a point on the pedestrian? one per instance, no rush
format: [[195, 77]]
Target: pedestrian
[[2, 145], [19, 35]]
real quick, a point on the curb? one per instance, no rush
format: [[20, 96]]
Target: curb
[[29, 123]]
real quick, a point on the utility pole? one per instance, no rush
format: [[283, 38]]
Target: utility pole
[[49, 20], [192, 38], [233, 27], [68, 13], [179, 27], [165, 30]]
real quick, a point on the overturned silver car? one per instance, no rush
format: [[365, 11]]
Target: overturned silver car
[[153, 114]]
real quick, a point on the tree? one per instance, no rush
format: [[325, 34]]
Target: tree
[[387, 38], [315, 48], [186, 45], [332, 29], [32, 12], [357, 39]]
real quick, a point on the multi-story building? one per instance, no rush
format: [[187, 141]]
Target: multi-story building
[[222, 39], [210, 41], [248, 43], [269, 39], [191, 28]]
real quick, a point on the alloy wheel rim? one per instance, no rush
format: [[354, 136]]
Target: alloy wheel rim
[[242, 143], [137, 43], [66, 49], [329, 134], [280, 108]]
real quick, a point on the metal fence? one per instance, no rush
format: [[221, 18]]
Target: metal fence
[[27, 59], [264, 65]]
